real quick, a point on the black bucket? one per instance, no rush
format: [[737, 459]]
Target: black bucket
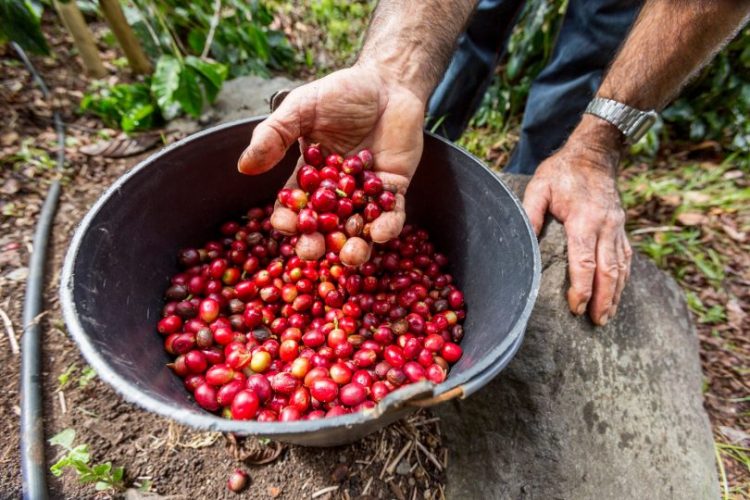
[[123, 254]]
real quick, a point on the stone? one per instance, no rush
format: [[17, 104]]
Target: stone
[[248, 96], [589, 413]]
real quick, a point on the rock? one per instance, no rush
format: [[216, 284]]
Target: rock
[[248, 96], [584, 412]]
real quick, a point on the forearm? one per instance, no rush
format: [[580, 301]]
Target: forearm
[[670, 41], [411, 41]]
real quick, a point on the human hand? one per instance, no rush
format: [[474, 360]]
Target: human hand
[[346, 111], [577, 186]]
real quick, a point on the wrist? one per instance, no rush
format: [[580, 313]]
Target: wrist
[[597, 139], [599, 134], [396, 71]]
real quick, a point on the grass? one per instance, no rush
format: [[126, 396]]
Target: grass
[[741, 455]]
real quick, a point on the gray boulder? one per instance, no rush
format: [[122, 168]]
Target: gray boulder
[[248, 96], [589, 413]]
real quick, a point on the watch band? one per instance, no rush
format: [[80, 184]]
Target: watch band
[[632, 122]]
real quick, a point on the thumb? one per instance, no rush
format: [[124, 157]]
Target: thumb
[[536, 201], [272, 137]]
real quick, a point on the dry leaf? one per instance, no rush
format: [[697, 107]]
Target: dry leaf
[[672, 200], [692, 218], [9, 138], [122, 146], [697, 197], [733, 233], [735, 436], [735, 314]]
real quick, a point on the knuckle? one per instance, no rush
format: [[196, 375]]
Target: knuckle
[[609, 271]]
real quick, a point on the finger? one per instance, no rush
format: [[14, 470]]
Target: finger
[[535, 202], [284, 219], [581, 263], [355, 252], [627, 253], [622, 271], [605, 278], [389, 224], [310, 246], [273, 136], [395, 183]]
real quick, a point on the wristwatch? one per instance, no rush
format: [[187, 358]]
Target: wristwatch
[[632, 122]]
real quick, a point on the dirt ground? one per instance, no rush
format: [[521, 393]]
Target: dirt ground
[[168, 458]]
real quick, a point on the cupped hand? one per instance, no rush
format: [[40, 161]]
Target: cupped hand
[[344, 112], [577, 186]]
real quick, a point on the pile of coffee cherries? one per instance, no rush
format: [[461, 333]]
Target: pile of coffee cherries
[[338, 197], [257, 333]]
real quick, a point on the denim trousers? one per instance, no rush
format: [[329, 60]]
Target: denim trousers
[[591, 33]]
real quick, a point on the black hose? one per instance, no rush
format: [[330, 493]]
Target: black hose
[[33, 464]]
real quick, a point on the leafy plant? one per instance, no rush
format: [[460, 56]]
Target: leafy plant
[[65, 376], [234, 32], [344, 24], [19, 22], [186, 84], [716, 106], [177, 85], [128, 106], [77, 458]]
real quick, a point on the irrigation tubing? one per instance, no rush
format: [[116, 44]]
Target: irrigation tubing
[[33, 465]]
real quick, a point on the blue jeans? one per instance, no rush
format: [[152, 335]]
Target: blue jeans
[[591, 33]]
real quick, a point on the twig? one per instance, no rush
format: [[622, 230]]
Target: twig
[[322, 492], [396, 490], [426, 422], [63, 405], [398, 458], [367, 486], [657, 229], [429, 455], [10, 331], [385, 464], [212, 29]]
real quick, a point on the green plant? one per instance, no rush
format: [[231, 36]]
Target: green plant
[[87, 375], [128, 106], [84, 378], [19, 22], [77, 458], [186, 84], [343, 23], [716, 106], [30, 155], [179, 84], [234, 32], [65, 376]]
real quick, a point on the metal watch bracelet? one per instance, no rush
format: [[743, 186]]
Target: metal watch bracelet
[[632, 122]]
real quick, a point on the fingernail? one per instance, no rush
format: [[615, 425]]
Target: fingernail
[[581, 309], [603, 320], [613, 312]]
